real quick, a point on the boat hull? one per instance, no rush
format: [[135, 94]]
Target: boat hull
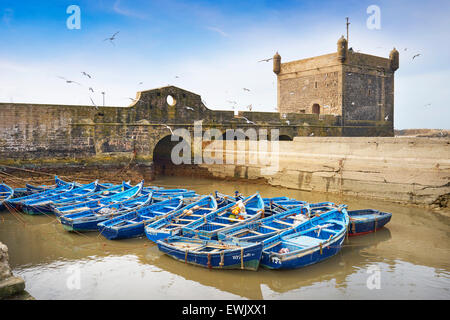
[[131, 231], [373, 224], [231, 260], [302, 259]]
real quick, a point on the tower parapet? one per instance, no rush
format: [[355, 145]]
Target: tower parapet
[[395, 60], [342, 47], [276, 63]]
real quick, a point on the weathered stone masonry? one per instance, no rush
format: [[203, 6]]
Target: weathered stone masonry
[[85, 134]]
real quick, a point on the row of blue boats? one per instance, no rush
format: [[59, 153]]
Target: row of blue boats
[[213, 231]]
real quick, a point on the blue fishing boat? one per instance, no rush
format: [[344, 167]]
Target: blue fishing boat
[[16, 203], [107, 209], [31, 189], [133, 224], [224, 199], [83, 203], [246, 210], [171, 224], [20, 192], [261, 229], [213, 254], [312, 241], [161, 195], [44, 205], [6, 193], [366, 221]]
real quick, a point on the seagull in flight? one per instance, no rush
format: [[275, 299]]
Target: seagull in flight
[[189, 108], [112, 38], [248, 121], [86, 74], [249, 107], [416, 55], [386, 118], [287, 121], [165, 125], [70, 81], [245, 89], [266, 60], [90, 89], [312, 134]]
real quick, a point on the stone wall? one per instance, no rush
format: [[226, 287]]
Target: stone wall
[[407, 170]]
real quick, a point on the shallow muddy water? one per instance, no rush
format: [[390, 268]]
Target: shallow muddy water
[[408, 259]]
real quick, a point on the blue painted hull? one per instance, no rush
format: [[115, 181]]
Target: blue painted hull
[[302, 259], [81, 226], [155, 235], [131, 231], [375, 221], [230, 259]]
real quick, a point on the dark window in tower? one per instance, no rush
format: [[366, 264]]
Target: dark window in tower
[[315, 84]]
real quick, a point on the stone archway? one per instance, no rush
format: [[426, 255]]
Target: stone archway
[[162, 154]]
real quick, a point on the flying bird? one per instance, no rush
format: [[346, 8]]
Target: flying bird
[[86, 74], [90, 89], [386, 118], [140, 83], [248, 121], [312, 134], [249, 107], [428, 105], [112, 38], [165, 125], [233, 102], [266, 60], [288, 122], [245, 89], [70, 81], [416, 55], [189, 108]]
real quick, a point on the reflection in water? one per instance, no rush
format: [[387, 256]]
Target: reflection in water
[[411, 253]]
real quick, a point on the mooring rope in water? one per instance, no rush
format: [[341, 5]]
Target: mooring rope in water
[[15, 213]]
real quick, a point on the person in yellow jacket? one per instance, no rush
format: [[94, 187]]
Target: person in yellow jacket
[[237, 212]]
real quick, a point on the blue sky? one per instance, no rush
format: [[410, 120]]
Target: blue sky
[[213, 47]]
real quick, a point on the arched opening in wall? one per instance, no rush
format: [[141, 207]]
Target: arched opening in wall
[[163, 163], [316, 108], [284, 137]]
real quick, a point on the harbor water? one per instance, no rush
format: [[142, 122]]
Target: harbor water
[[408, 259]]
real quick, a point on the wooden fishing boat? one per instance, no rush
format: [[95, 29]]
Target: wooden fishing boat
[[132, 224], [280, 204], [105, 209], [172, 224], [261, 229], [20, 192], [315, 240], [83, 203], [246, 210], [44, 205], [31, 189], [213, 254], [6, 193], [16, 203], [224, 199], [366, 221]]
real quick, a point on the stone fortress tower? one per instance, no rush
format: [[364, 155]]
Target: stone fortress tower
[[345, 83]]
